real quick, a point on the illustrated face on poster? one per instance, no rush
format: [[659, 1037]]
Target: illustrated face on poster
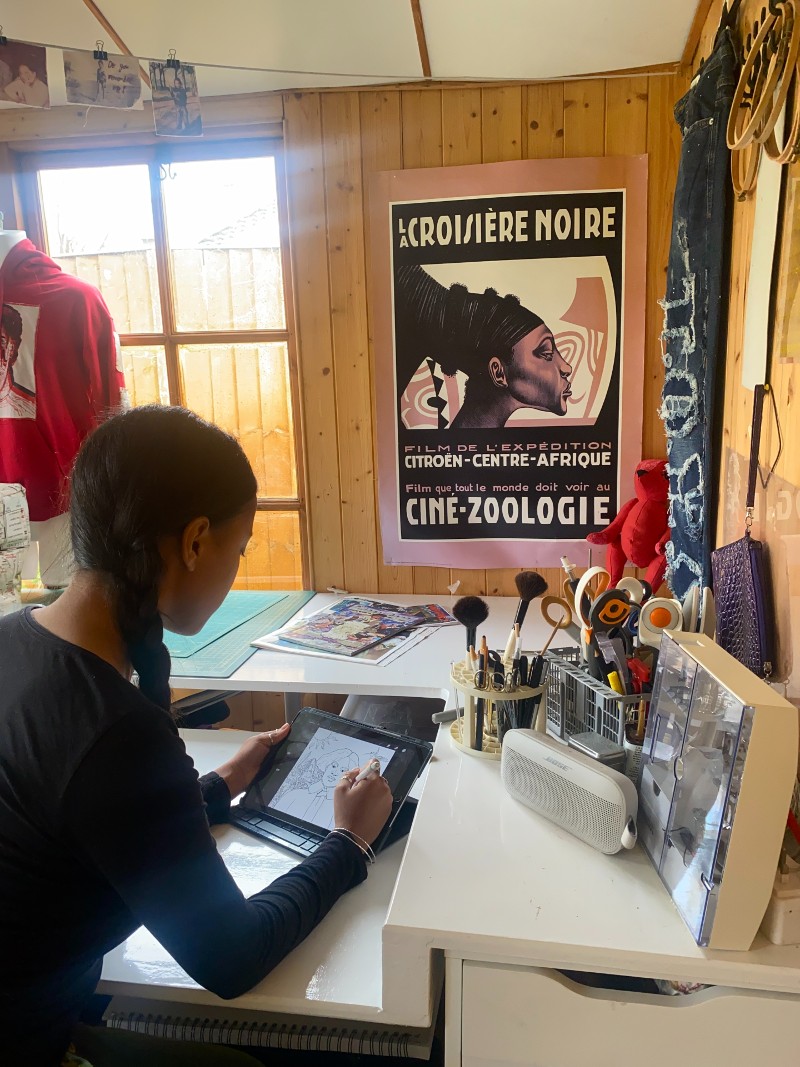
[[307, 792], [176, 103], [511, 329], [558, 374], [110, 82], [17, 378], [23, 74]]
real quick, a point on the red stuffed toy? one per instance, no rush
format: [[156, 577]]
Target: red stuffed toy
[[640, 531]]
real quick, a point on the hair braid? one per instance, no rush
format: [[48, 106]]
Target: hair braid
[[140, 624]]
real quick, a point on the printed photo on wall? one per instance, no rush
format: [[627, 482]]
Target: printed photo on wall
[[23, 74], [176, 104], [17, 377], [510, 336], [110, 82]]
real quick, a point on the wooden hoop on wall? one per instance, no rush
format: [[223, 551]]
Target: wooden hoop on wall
[[744, 170], [773, 77]]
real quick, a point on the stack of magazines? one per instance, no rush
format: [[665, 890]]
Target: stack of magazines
[[356, 627]]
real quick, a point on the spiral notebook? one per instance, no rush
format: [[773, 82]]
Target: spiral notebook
[[188, 1022]]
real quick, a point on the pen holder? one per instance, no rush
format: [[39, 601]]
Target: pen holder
[[488, 713]]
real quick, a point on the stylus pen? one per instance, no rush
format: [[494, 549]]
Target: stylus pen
[[373, 767]]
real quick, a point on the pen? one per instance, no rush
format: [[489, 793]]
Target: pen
[[373, 767]]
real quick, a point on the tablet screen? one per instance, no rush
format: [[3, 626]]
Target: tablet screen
[[298, 785]]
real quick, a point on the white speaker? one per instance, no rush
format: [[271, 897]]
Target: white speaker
[[586, 798]]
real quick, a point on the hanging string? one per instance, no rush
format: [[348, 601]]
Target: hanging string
[[378, 79]]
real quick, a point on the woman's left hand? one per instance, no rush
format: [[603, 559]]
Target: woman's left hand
[[240, 771]]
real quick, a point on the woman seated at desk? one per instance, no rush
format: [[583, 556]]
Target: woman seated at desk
[[104, 824]]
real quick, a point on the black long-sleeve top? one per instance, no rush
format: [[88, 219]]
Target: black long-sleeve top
[[104, 826]]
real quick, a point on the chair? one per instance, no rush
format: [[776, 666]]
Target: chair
[[202, 710], [402, 715]]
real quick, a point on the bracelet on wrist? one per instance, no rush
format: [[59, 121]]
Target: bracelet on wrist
[[362, 845]]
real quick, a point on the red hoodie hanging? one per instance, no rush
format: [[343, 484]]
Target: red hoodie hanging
[[59, 374]]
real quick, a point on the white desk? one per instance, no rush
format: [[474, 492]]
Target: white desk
[[505, 899], [335, 972], [423, 672]]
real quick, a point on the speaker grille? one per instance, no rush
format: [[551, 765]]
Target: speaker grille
[[581, 812]]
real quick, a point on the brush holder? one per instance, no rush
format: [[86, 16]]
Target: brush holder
[[502, 710]]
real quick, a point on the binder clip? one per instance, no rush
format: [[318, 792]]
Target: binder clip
[[99, 54], [3, 40], [173, 63]]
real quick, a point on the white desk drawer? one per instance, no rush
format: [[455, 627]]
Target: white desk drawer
[[523, 1015]]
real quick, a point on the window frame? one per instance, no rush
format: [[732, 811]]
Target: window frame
[[157, 157]]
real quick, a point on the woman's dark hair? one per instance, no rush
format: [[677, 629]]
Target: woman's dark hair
[[461, 330], [140, 476]]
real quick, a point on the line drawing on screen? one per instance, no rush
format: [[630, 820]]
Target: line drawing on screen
[[307, 792]]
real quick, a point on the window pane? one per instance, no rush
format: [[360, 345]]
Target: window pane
[[145, 370], [224, 239], [273, 559], [99, 226], [245, 389]]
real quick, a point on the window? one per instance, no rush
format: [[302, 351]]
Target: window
[[186, 250]]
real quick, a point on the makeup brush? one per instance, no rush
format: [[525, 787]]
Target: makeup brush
[[471, 611], [530, 584]]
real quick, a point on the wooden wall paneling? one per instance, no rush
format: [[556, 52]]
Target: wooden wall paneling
[[381, 149], [461, 126], [268, 710], [341, 131], [501, 133], [738, 403], [785, 380], [32, 125], [543, 121], [584, 118], [626, 116], [421, 120], [709, 30], [309, 252]]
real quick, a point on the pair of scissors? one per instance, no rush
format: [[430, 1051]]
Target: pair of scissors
[[556, 611], [608, 613]]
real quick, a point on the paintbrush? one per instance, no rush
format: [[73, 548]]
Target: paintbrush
[[480, 705], [530, 584], [471, 611]]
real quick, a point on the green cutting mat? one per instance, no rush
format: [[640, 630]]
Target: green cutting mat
[[228, 650]]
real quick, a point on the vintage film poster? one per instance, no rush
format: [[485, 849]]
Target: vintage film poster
[[176, 103], [509, 352], [23, 74], [110, 82]]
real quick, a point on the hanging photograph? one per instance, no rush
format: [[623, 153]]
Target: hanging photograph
[[176, 104], [111, 82], [509, 357], [23, 74]]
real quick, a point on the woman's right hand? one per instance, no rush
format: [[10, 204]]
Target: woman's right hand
[[362, 807]]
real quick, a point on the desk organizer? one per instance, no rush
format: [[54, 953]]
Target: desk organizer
[[576, 702], [495, 721]]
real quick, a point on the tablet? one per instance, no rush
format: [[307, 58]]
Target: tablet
[[290, 803]]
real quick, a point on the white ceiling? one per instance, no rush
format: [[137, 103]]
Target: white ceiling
[[362, 42]]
